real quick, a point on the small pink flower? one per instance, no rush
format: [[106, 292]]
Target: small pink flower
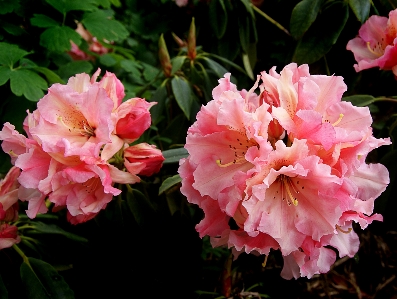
[[181, 3], [143, 159], [8, 235], [375, 45]]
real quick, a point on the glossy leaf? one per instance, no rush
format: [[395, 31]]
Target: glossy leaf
[[50, 75], [58, 38], [303, 15], [41, 281], [169, 182], [360, 100], [44, 228], [174, 155], [360, 8], [183, 94], [43, 21], [218, 17], [27, 83], [100, 26], [218, 69], [9, 54], [320, 38], [177, 63]]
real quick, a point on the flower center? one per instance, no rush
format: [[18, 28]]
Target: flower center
[[77, 123], [288, 190]]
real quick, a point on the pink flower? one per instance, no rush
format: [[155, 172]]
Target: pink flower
[[375, 45], [9, 195], [143, 159], [284, 170], [8, 235], [181, 3]]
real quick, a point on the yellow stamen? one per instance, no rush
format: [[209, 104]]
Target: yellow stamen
[[339, 120], [344, 231], [372, 50]]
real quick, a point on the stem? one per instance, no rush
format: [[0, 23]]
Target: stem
[[20, 252], [274, 22], [375, 10]]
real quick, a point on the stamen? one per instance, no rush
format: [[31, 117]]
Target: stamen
[[235, 161], [373, 50], [338, 121], [287, 183], [343, 231]]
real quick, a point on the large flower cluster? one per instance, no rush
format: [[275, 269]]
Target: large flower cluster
[[376, 44], [73, 153], [285, 169]]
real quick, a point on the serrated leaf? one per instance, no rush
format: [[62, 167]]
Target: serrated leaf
[[43, 21], [169, 182], [360, 100], [360, 8], [9, 54], [63, 6], [218, 17], [320, 38], [4, 74], [177, 63], [41, 281], [75, 67], [174, 155], [183, 94], [50, 75], [8, 6], [27, 83], [58, 38], [100, 26], [303, 15]]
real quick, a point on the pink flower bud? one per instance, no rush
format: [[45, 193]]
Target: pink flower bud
[[143, 159]]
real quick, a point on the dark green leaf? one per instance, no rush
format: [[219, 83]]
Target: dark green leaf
[[174, 155], [11, 28], [103, 3], [224, 60], [157, 111], [218, 69], [7, 6], [27, 83], [149, 72], [3, 290], [131, 67], [140, 207], [41, 281], [58, 38], [73, 68], [177, 63], [360, 100], [43, 21], [303, 15], [44, 228], [218, 17], [9, 54], [360, 8], [100, 26], [320, 38], [183, 94], [50, 75], [169, 182], [107, 60], [63, 6], [4, 74]]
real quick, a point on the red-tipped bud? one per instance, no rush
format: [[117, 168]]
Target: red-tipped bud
[[181, 43], [164, 57], [191, 41]]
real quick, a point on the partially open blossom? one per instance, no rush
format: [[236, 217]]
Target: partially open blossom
[[284, 169], [375, 45], [77, 131], [9, 195], [143, 159], [8, 235]]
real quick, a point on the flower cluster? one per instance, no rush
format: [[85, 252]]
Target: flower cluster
[[78, 146], [285, 169], [375, 45]]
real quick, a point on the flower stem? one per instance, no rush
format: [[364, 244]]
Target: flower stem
[[274, 22], [20, 252]]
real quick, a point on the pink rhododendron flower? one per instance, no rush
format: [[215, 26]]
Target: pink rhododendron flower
[[8, 235], [181, 3], [77, 131], [284, 169], [375, 45], [9, 195]]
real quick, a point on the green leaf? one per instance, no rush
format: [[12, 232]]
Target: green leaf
[[360, 8], [149, 72], [4, 74], [75, 67], [224, 60], [360, 100], [157, 111], [169, 182], [44, 228], [27, 83], [43, 21], [42, 281], [140, 207], [183, 94], [218, 17], [107, 60], [303, 15], [9, 54], [7, 6], [177, 63], [132, 67], [50, 75], [103, 3], [11, 28], [58, 38], [100, 26], [63, 6], [218, 69], [320, 38], [174, 155], [3, 290]]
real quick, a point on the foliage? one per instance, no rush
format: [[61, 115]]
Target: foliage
[[144, 244]]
